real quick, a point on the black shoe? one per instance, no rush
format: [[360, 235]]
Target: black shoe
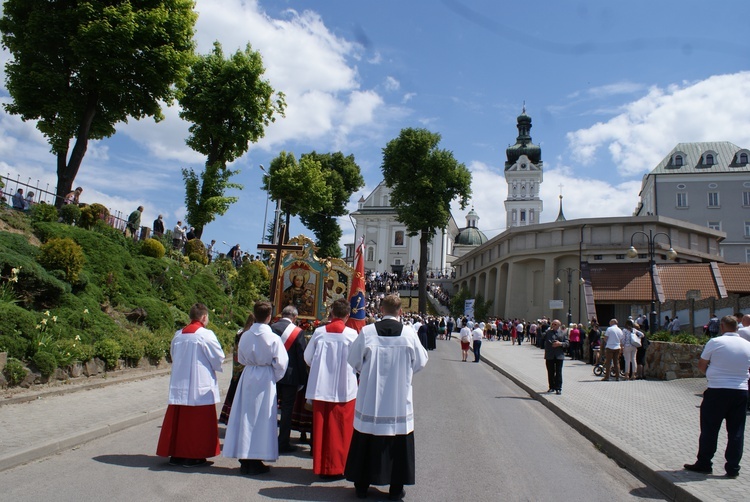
[[397, 496], [550, 391], [176, 461], [558, 392], [696, 467], [331, 477], [732, 475], [252, 469], [288, 448], [194, 462]]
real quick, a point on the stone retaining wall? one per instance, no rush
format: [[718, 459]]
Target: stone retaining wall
[[668, 361]]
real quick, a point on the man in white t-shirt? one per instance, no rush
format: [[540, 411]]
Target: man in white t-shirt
[[477, 334], [612, 348], [519, 332], [744, 330], [725, 360]]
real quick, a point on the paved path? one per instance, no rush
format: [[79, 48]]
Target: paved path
[[651, 427]]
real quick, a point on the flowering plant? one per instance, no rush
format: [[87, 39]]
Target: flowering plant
[[7, 290]]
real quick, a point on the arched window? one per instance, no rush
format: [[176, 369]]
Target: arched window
[[709, 159], [678, 160], [743, 158], [370, 254]]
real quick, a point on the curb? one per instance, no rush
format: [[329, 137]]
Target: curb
[[56, 446], [638, 466]]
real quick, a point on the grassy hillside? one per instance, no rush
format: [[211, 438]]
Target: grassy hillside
[[68, 294]]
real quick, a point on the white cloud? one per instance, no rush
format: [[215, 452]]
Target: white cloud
[[392, 84], [408, 97], [648, 128]]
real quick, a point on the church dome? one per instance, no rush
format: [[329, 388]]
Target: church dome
[[470, 236]]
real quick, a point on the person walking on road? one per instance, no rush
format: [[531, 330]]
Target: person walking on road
[[251, 433], [386, 355], [190, 430], [612, 346], [295, 377], [555, 343], [332, 387], [477, 334], [725, 360], [465, 337]]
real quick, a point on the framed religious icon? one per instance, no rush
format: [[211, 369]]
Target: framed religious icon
[[301, 281], [338, 281]]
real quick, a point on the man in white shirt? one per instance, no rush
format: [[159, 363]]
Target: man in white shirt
[[519, 332], [465, 337], [332, 387], [190, 431], [675, 326], [725, 360], [744, 330], [612, 348], [476, 335], [386, 354]]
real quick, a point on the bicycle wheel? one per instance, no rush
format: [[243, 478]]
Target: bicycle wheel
[[598, 370]]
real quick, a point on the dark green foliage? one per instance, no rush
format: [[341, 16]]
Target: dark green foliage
[[132, 349], [91, 214], [180, 318], [15, 219], [197, 258], [45, 362], [62, 254], [158, 312], [70, 214], [660, 336], [481, 307], [195, 246], [43, 213], [17, 329], [14, 371], [108, 350], [153, 248], [690, 339], [157, 345]]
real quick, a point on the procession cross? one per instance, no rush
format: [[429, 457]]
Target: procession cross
[[279, 247]]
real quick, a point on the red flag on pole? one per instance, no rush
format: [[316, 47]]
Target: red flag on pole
[[357, 301]]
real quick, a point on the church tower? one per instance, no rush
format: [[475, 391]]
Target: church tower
[[523, 173]]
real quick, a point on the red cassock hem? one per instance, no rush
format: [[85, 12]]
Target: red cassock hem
[[333, 425], [189, 432]]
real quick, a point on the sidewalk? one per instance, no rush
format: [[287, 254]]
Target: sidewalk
[[650, 427]]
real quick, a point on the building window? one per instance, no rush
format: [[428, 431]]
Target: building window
[[708, 160], [398, 238], [714, 225], [747, 229], [598, 257], [620, 256], [678, 160], [397, 261], [682, 200], [746, 199], [743, 158], [370, 254], [713, 199], [523, 216], [531, 216], [513, 216], [747, 255]]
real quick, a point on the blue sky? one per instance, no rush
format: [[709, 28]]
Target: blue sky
[[611, 87]]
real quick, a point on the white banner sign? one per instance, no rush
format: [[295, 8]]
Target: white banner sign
[[555, 304], [469, 308]]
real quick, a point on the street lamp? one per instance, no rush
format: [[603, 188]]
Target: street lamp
[[581, 281], [671, 255], [265, 213]]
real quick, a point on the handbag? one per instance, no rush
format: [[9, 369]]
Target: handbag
[[635, 340]]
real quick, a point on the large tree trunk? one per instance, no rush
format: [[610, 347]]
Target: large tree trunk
[[423, 241], [67, 171]]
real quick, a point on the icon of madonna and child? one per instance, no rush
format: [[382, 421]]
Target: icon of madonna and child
[[299, 290]]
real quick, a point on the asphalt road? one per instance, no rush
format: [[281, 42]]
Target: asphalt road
[[478, 437]]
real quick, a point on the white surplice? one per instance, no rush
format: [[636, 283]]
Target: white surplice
[[251, 432], [196, 357], [331, 378], [386, 365]]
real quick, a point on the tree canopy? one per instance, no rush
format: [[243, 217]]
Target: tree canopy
[[424, 180], [80, 67], [229, 105]]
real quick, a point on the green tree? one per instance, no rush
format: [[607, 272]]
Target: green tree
[[299, 186], [81, 67], [424, 180], [343, 177], [229, 105]]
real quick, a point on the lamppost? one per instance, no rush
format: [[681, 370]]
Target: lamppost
[[671, 255], [581, 281], [268, 196]]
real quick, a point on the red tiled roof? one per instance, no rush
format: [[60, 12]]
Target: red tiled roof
[[736, 277], [678, 279], [620, 282]]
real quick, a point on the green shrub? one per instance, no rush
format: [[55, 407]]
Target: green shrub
[[93, 213], [45, 362], [131, 349], [62, 254], [660, 336], [687, 339], [69, 351], [70, 214], [15, 345], [14, 371], [180, 319], [158, 314], [197, 258], [17, 328], [113, 234], [43, 212], [153, 248], [108, 350], [195, 246]]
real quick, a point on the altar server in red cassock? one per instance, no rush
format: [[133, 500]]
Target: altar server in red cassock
[[332, 386], [190, 431]]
